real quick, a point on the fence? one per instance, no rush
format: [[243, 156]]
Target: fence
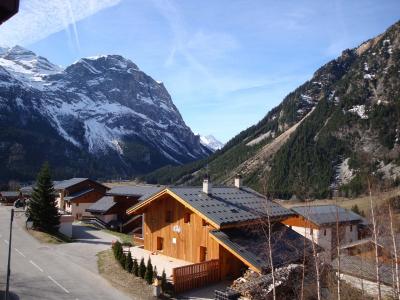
[[196, 275], [137, 239]]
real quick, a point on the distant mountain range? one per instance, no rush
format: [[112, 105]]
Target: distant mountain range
[[326, 136], [100, 117], [211, 142]]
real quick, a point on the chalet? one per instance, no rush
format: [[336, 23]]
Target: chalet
[[9, 197], [75, 195], [111, 209], [318, 223], [227, 225]]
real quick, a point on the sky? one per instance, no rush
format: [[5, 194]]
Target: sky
[[226, 63]]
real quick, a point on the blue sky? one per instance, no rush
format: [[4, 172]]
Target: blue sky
[[226, 63]]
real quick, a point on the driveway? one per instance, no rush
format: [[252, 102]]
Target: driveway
[[43, 271]]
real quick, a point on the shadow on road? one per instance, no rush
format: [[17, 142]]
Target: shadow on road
[[13, 296], [82, 232]]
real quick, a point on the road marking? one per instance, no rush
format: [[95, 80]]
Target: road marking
[[59, 285], [5, 241], [20, 253], [39, 268]]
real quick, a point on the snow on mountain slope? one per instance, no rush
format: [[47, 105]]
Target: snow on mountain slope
[[100, 105], [211, 142]]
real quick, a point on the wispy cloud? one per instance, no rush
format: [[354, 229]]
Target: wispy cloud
[[38, 19]]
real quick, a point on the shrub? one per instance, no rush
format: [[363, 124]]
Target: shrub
[[163, 281], [129, 263], [142, 268], [155, 273], [122, 260], [135, 267], [148, 276]]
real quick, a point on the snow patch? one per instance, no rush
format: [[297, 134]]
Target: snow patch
[[359, 110]]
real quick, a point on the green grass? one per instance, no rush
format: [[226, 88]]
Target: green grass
[[124, 238], [45, 237]]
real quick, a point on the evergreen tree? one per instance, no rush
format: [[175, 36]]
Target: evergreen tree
[[155, 273], [163, 281], [135, 268], [42, 207], [129, 262], [122, 260], [148, 276], [142, 268]]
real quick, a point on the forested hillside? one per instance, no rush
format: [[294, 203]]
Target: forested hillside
[[325, 136]]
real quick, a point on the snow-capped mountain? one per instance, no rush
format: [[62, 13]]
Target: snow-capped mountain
[[211, 142], [102, 106]]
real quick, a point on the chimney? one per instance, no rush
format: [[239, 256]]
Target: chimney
[[238, 181], [207, 185]]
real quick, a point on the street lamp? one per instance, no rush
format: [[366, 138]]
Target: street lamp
[[9, 257]]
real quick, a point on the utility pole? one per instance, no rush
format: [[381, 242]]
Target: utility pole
[[9, 257]]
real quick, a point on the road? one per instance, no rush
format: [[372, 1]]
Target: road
[[44, 271]]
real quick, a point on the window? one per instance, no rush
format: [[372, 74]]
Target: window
[[203, 254], [77, 204], [160, 243], [325, 232], [204, 222], [168, 216], [186, 218], [311, 231], [351, 228]]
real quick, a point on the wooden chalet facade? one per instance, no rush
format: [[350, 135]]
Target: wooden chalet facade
[[111, 209], [205, 224], [75, 195]]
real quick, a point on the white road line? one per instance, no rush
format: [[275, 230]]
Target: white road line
[[59, 285], [20, 253], [39, 268], [5, 241]]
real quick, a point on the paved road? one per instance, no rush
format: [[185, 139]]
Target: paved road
[[66, 271]]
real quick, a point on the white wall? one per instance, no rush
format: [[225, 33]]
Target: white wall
[[79, 208], [66, 225], [320, 238], [350, 236]]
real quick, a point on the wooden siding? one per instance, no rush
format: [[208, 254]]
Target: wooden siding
[[196, 275], [180, 240], [299, 221]]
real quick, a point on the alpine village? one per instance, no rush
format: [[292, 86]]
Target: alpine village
[[106, 193]]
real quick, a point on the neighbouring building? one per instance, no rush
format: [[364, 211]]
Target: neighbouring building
[[75, 195], [9, 197], [319, 224], [111, 209], [226, 225], [358, 264]]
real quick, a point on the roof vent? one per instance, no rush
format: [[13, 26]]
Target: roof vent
[[238, 181], [207, 186]]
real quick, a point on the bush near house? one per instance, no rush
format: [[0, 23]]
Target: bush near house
[[142, 268], [129, 262], [135, 268], [148, 276]]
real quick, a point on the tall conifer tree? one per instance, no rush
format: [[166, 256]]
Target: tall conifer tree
[[42, 206]]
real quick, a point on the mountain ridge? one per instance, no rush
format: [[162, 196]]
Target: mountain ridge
[[100, 107]]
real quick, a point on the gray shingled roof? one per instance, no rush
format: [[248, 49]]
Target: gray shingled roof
[[230, 204], [9, 194], [68, 183], [252, 244], [73, 196], [326, 214], [363, 268], [102, 205], [140, 191]]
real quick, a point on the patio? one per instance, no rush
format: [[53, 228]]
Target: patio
[[161, 261]]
